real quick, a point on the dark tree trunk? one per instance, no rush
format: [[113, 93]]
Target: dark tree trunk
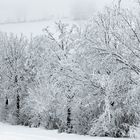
[[17, 99], [6, 102], [69, 125], [69, 110], [18, 105]]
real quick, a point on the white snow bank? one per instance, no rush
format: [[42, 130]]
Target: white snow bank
[[9, 132]]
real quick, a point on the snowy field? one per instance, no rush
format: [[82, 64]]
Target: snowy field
[[8, 132], [35, 28]]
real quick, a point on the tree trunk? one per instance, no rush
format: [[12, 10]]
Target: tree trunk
[[18, 107], [69, 125], [107, 109], [17, 99], [6, 102]]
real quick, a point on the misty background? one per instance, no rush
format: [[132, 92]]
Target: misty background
[[28, 10]]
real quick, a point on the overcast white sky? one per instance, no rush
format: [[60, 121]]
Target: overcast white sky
[[40, 8]]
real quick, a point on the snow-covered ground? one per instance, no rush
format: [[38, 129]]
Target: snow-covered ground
[[35, 28], [9, 132]]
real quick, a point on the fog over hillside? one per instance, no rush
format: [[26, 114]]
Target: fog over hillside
[[19, 10]]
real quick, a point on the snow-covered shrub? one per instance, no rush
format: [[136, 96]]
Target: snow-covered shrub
[[100, 126], [12, 114], [134, 132], [84, 114]]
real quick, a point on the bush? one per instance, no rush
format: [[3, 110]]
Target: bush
[[134, 132]]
